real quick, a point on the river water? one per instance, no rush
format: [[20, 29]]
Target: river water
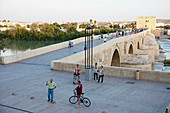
[[165, 45], [15, 47]]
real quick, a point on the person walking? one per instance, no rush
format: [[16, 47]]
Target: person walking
[[51, 86], [85, 46], [95, 72], [101, 74], [79, 92], [69, 44], [101, 36], [105, 39]]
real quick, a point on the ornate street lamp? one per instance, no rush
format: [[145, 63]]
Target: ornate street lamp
[[88, 53]]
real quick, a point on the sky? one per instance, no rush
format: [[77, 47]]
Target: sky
[[82, 10]]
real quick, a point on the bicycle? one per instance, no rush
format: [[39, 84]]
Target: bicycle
[[74, 99]]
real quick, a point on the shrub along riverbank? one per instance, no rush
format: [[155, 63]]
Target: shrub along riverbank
[[47, 32], [167, 62]]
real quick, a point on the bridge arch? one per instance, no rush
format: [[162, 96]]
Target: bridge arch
[[138, 45], [115, 58], [130, 49]]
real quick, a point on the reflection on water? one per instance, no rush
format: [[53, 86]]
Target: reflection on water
[[165, 45], [15, 47]]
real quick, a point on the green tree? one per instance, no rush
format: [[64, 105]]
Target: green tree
[[28, 26], [111, 26], [56, 24], [33, 28], [167, 27], [71, 29], [3, 44]]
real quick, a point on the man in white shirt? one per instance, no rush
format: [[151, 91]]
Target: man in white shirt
[[95, 71]]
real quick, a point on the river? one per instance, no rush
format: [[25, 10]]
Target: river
[[15, 47], [165, 45]]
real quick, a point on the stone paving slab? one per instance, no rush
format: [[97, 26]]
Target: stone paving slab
[[27, 78], [113, 96]]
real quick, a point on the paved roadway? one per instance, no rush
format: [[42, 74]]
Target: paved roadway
[[28, 77]]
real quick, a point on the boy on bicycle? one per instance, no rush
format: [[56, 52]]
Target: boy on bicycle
[[79, 92]]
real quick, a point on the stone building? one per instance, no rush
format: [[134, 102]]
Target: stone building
[[146, 22]]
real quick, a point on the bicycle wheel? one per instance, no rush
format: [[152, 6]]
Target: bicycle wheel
[[86, 102], [73, 99]]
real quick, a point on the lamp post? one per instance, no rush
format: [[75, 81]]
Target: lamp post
[[88, 53]]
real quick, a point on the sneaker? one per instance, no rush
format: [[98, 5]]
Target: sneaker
[[53, 102], [48, 100]]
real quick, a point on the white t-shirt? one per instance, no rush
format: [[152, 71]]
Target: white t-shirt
[[95, 68], [101, 72]]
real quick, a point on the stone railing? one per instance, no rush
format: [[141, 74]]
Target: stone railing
[[101, 51], [121, 72]]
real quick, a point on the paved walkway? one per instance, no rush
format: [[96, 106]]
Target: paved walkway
[[28, 77]]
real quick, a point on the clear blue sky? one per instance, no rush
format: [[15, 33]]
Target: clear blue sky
[[82, 10]]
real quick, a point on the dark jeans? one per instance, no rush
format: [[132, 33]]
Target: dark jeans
[[100, 76], [95, 76], [50, 92]]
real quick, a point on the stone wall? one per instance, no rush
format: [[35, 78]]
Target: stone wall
[[157, 33], [142, 66], [121, 72], [102, 54]]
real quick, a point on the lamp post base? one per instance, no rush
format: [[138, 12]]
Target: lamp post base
[[88, 74]]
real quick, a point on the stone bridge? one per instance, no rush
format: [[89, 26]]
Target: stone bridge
[[136, 51]]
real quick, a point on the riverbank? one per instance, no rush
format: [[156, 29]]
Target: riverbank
[[165, 55], [166, 62]]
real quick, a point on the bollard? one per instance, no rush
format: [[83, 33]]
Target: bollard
[[137, 75]]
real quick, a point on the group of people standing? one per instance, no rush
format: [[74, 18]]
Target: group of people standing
[[101, 73], [76, 75]]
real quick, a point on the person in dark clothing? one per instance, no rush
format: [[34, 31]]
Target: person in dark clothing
[[79, 92], [95, 71]]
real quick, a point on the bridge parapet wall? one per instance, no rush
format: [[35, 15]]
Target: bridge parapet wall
[[102, 54], [122, 72]]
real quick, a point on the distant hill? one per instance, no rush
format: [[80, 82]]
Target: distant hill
[[166, 21]]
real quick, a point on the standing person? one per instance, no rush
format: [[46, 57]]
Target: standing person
[[116, 34], [101, 36], [85, 46], [101, 74], [125, 33], [69, 44], [122, 33], [51, 86], [95, 72], [79, 92], [105, 39], [77, 69], [112, 35], [75, 77], [119, 33]]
